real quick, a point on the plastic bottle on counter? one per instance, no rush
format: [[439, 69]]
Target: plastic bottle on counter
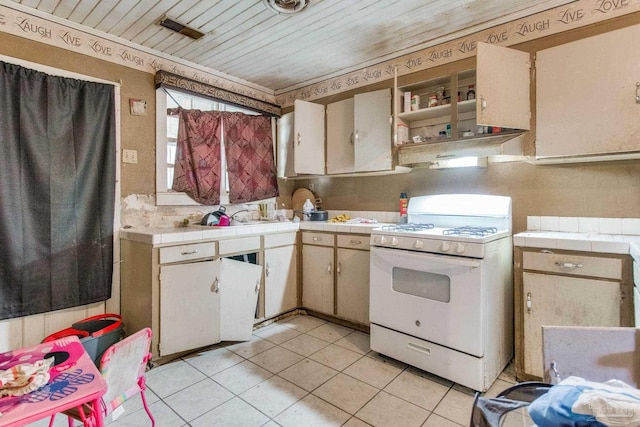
[[471, 93], [404, 204], [306, 209]]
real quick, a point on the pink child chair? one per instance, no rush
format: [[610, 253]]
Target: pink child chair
[[123, 366]]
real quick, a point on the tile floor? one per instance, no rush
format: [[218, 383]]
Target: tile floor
[[300, 371]]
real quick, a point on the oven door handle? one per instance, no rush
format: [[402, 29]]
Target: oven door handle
[[403, 256]]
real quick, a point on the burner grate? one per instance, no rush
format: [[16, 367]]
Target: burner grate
[[408, 227], [470, 231]]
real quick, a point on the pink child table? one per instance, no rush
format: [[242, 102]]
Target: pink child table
[[75, 382]]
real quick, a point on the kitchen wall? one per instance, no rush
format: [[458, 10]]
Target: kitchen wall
[[601, 189]]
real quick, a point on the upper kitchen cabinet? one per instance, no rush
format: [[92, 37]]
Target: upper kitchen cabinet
[[471, 112], [588, 98], [308, 138], [359, 133]]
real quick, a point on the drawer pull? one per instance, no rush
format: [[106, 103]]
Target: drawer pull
[[317, 239], [195, 251], [267, 270], [257, 286], [216, 286], [418, 348], [355, 242], [570, 265]]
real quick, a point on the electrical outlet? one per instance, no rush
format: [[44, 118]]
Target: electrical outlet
[[129, 156]]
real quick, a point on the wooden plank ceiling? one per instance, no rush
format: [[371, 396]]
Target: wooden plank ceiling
[[281, 52]]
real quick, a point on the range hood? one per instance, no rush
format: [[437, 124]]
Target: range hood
[[510, 145]]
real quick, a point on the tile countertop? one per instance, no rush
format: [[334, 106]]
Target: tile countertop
[[194, 233], [605, 235]]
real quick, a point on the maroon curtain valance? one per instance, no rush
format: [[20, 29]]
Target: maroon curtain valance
[[184, 84]]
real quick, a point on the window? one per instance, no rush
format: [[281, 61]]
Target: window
[[166, 139]]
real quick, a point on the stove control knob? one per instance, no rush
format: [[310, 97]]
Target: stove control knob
[[419, 244], [444, 247], [383, 240], [394, 241], [460, 248]]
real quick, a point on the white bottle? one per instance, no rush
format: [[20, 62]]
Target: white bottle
[[306, 209]]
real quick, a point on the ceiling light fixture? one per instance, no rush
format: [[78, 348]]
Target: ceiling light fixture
[[285, 6], [176, 26]]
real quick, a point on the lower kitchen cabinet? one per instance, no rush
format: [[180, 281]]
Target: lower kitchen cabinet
[[352, 285], [280, 280], [335, 277], [566, 288], [317, 278], [187, 294]]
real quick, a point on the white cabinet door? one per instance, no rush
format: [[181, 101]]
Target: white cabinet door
[[586, 96], [308, 138], [317, 278], [189, 306], [564, 301], [340, 137], [502, 89], [280, 277], [353, 285], [372, 131], [239, 287], [284, 153]]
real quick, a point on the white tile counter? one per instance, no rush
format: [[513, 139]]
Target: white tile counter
[[339, 227], [605, 235]]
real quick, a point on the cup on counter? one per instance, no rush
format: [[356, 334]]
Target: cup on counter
[[267, 210]]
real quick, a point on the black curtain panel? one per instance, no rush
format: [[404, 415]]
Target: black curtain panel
[[57, 191]]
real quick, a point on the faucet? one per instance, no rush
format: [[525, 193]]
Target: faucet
[[237, 212]]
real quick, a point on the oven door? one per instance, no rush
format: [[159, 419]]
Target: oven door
[[434, 297]]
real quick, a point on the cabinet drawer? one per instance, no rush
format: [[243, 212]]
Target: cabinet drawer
[[187, 252], [283, 239], [578, 265], [244, 244], [353, 242], [317, 239]]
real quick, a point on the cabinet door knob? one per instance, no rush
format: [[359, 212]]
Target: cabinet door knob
[[257, 286], [267, 270], [483, 103], [339, 269], [299, 138], [637, 92], [528, 302], [216, 286], [329, 270]]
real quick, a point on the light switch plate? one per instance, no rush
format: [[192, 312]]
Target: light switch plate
[[129, 156], [138, 107]]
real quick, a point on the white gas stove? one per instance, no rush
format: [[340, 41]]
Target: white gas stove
[[441, 287]]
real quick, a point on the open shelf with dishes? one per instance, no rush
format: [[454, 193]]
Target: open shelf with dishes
[[490, 101]]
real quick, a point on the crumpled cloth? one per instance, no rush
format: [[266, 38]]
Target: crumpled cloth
[[25, 377]]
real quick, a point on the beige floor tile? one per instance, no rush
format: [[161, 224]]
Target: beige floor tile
[[308, 374], [248, 349], [386, 410], [437, 421], [312, 412], [305, 344], [456, 406], [242, 377], [375, 372], [497, 387], [276, 359], [387, 359], [178, 376], [348, 394], [509, 374], [355, 341], [234, 413], [355, 422], [330, 332], [417, 389], [162, 413], [301, 323], [335, 357], [201, 397], [273, 396], [277, 333], [213, 361]]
